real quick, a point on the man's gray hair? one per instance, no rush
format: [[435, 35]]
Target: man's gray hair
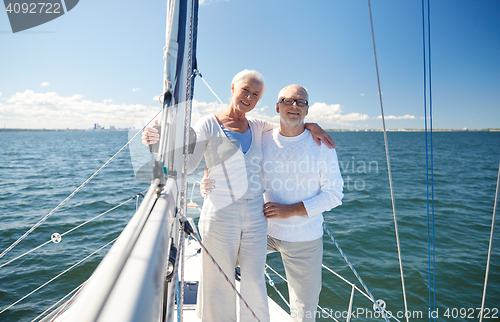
[[280, 95], [244, 74]]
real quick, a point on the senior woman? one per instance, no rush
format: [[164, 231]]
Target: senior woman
[[232, 224]]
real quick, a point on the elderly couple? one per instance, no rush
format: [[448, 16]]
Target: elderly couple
[[265, 190]]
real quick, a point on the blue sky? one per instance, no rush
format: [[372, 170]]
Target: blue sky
[[102, 62]]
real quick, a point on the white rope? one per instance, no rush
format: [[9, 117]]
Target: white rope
[[55, 304], [342, 278], [61, 310], [346, 281], [74, 192], [388, 164], [328, 314], [76, 227], [30, 251], [271, 282], [57, 276], [489, 248], [267, 266], [357, 288], [210, 88]]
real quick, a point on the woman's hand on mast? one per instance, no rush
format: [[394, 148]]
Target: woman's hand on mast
[[150, 135], [206, 184], [320, 135]]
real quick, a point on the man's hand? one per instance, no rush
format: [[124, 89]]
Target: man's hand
[[278, 210], [206, 184], [319, 135], [150, 135]]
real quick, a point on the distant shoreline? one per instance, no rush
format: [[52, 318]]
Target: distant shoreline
[[327, 130], [415, 130], [59, 130]]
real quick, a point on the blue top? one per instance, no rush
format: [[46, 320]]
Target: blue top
[[245, 138]]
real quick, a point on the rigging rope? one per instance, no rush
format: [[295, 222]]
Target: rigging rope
[[355, 273], [61, 310], [57, 276], [489, 248], [388, 162], [339, 276], [78, 288], [430, 204], [197, 72], [271, 282], [67, 232], [74, 192]]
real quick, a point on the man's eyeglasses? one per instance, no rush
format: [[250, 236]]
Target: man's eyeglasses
[[289, 101]]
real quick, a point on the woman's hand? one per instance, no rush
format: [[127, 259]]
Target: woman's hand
[[320, 135], [206, 184], [150, 135]]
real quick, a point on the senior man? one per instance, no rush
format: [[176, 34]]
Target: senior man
[[302, 180]]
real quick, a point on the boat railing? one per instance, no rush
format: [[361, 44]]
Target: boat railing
[[354, 288]]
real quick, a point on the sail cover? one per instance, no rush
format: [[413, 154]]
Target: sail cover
[[180, 62]]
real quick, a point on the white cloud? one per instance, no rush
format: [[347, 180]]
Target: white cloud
[[53, 111], [392, 117], [44, 84], [200, 109], [30, 109], [135, 89], [331, 114]]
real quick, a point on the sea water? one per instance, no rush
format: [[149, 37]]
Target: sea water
[[38, 170]]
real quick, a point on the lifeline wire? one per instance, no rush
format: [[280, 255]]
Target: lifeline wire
[[62, 299], [430, 213], [197, 72], [76, 227], [489, 248], [57, 276], [355, 273], [271, 282], [61, 310], [388, 162], [74, 192], [340, 277]]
